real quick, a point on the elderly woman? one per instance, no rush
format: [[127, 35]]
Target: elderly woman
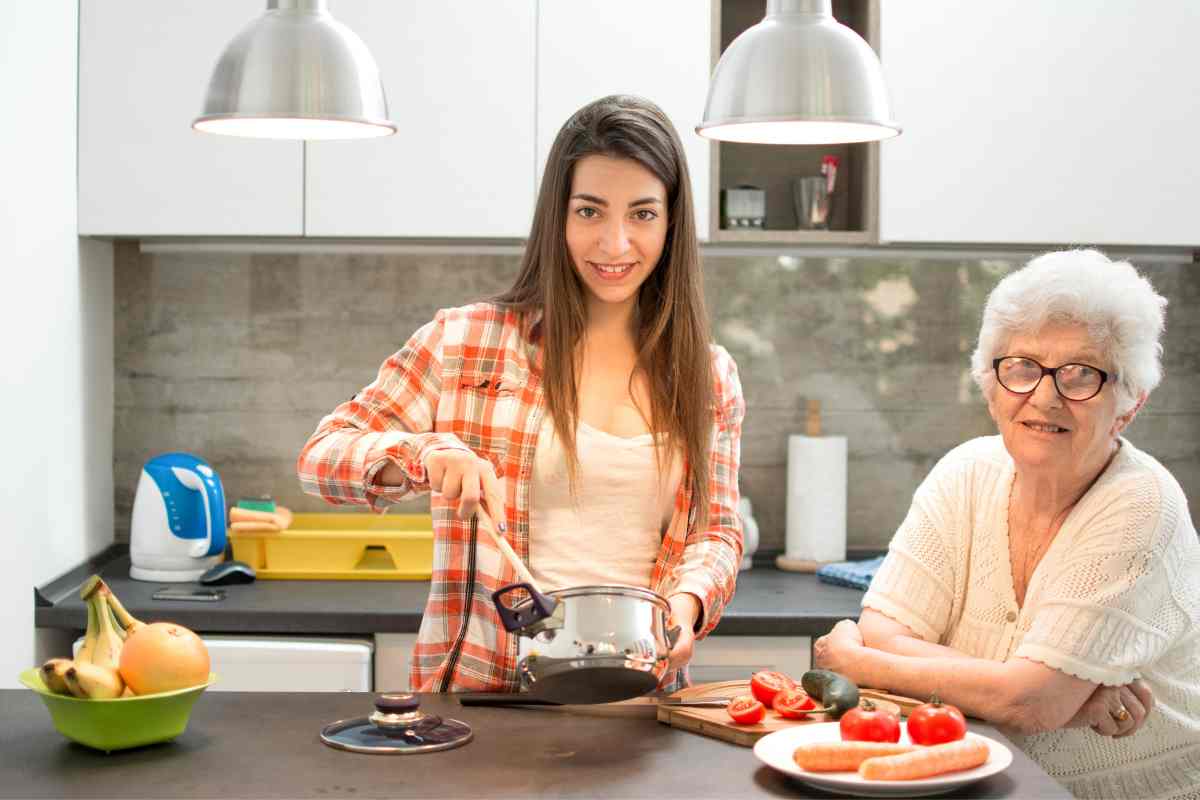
[[1048, 579]]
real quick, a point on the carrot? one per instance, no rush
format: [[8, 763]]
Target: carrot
[[926, 762], [843, 756]]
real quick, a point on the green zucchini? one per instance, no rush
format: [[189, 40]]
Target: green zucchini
[[836, 693]]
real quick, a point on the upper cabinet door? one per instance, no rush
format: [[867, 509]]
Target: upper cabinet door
[[659, 49], [459, 79], [1042, 122], [144, 67]]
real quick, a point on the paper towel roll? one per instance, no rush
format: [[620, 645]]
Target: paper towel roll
[[816, 499]]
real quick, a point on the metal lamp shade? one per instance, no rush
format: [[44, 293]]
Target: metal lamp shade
[[296, 73], [798, 77]]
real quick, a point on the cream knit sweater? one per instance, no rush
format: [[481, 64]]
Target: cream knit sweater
[[1117, 596]]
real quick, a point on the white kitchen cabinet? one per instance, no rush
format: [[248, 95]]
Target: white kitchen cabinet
[[291, 663], [459, 79], [287, 663], [144, 67], [478, 89], [393, 660], [1041, 122], [660, 49]]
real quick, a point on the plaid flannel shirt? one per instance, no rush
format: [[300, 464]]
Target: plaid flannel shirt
[[470, 380]]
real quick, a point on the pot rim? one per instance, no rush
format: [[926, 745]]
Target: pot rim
[[619, 589]]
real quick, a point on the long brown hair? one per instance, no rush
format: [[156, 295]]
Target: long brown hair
[[672, 334]]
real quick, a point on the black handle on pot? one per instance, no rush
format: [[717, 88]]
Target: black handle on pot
[[538, 608], [505, 699]]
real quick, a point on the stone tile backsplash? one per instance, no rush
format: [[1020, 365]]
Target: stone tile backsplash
[[237, 356]]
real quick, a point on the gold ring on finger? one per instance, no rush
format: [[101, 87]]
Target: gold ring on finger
[[1121, 714]]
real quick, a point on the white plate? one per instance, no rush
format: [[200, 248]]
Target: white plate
[[776, 749]]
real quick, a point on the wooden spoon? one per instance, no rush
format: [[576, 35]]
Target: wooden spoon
[[510, 555]]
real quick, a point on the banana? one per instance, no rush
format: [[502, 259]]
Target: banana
[[96, 682], [126, 621], [52, 675], [116, 623], [69, 676], [89, 586], [95, 672], [89, 638], [107, 651]]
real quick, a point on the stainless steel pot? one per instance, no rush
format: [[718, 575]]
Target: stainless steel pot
[[590, 644]]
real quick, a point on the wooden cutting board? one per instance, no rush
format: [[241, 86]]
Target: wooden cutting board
[[715, 722], [906, 704]]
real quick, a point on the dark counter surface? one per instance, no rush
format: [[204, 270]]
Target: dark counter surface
[[259, 745], [768, 602]]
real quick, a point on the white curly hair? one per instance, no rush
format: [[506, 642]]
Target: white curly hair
[[1124, 316]]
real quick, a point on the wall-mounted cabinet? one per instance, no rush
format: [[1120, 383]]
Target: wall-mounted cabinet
[[459, 79], [1042, 122], [478, 88], [658, 49], [1023, 123], [854, 204], [144, 67]]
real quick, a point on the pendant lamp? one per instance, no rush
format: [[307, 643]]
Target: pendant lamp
[[296, 73], [798, 77]]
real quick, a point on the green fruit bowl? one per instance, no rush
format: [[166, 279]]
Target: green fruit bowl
[[122, 722]]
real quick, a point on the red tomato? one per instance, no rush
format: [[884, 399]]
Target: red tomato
[[936, 722], [765, 684], [794, 703], [867, 723], [745, 710]]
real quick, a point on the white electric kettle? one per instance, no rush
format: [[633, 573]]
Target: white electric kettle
[[178, 526]]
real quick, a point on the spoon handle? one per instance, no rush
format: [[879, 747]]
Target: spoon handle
[[485, 522]]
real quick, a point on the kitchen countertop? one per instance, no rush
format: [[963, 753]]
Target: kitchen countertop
[[261, 745], [768, 602]]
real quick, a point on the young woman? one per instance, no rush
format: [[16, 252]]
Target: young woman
[[585, 410]]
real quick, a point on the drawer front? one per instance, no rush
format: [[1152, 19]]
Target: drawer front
[[288, 663], [393, 654]]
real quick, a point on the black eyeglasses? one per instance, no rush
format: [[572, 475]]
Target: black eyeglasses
[[1021, 375]]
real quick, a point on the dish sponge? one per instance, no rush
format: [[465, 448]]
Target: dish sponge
[[264, 503], [245, 519]]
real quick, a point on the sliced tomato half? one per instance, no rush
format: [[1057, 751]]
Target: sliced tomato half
[[765, 684], [745, 710], [794, 703]]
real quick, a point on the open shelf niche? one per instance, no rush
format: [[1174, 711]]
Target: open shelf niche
[[854, 216]]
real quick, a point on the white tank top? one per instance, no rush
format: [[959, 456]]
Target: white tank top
[[612, 530]]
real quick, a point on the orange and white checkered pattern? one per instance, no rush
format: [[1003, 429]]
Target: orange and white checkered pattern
[[470, 379]]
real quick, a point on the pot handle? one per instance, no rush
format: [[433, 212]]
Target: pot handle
[[515, 619], [496, 699]]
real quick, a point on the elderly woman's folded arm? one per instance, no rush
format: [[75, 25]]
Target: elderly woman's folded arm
[[1023, 694], [884, 633]]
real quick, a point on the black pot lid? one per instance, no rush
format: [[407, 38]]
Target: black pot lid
[[397, 726]]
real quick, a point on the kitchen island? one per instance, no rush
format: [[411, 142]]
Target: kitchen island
[[266, 745]]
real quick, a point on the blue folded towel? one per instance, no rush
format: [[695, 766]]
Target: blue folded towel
[[855, 574]]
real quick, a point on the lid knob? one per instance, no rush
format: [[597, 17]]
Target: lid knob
[[400, 703]]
